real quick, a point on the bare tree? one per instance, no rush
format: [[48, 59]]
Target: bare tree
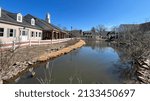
[[7, 56], [93, 30], [135, 45], [101, 30]]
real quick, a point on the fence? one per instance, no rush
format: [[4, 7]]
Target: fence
[[31, 42]]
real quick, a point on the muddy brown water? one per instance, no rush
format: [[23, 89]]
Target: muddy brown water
[[94, 63]]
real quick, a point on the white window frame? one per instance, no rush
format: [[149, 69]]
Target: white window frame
[[36, 34], [33, 21], [9, 32], [32, 34], [40, 34], [19, 17]]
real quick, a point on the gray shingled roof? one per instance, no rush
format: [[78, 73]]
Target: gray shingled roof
[[5, 17], [76, 33], [8, 17], [43, 24], [39, 22]]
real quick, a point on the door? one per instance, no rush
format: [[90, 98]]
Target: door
[[24, 35]]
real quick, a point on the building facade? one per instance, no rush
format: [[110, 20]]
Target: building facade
[[14, 27]]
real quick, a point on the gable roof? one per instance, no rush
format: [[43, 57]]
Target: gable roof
[[40, 23], [56, 27], [145, 26], [5, 16], [43, 24], [10, 18], [76, 33]]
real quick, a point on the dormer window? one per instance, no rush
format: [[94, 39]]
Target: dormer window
[[33, 21], [19, 17]]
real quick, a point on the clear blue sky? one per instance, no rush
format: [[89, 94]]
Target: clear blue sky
[[83, 14]]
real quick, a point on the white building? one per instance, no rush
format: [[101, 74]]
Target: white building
[[14, 27]]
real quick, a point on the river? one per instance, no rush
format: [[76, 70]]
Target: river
[[94, 63]]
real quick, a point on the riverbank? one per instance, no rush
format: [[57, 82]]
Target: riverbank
[[143, 70], [140, 66], [50, 55], [25, 58]]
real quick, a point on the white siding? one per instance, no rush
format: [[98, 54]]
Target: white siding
[[16, 37]]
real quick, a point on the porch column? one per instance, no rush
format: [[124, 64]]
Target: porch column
[[60, 36], [57, 35], [64, 35], [53, 34]]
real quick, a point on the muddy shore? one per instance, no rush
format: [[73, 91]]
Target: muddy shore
[[50, 55]]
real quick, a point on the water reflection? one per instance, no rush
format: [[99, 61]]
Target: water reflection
[[93, 63], [126, 68]]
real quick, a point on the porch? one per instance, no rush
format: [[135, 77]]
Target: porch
[[49, 35]]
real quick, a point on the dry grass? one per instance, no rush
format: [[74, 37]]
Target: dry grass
[[51, 55]]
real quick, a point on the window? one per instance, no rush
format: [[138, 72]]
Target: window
[[32, 34], [32, 22], [36, 34], [1, 32], [19, 17], [40, 34], [23, 33], [11, 33]]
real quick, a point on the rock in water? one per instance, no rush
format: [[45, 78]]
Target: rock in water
[[30, 63], [142, 79], [17, 79], [145, 66], [147, 62], [33, 74], [30, 70]]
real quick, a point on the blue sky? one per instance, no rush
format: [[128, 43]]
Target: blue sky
[[83, 14]]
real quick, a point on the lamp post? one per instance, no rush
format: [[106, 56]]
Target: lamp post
[[71, 33]]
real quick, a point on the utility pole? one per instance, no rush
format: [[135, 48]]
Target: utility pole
[[71, 32]]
